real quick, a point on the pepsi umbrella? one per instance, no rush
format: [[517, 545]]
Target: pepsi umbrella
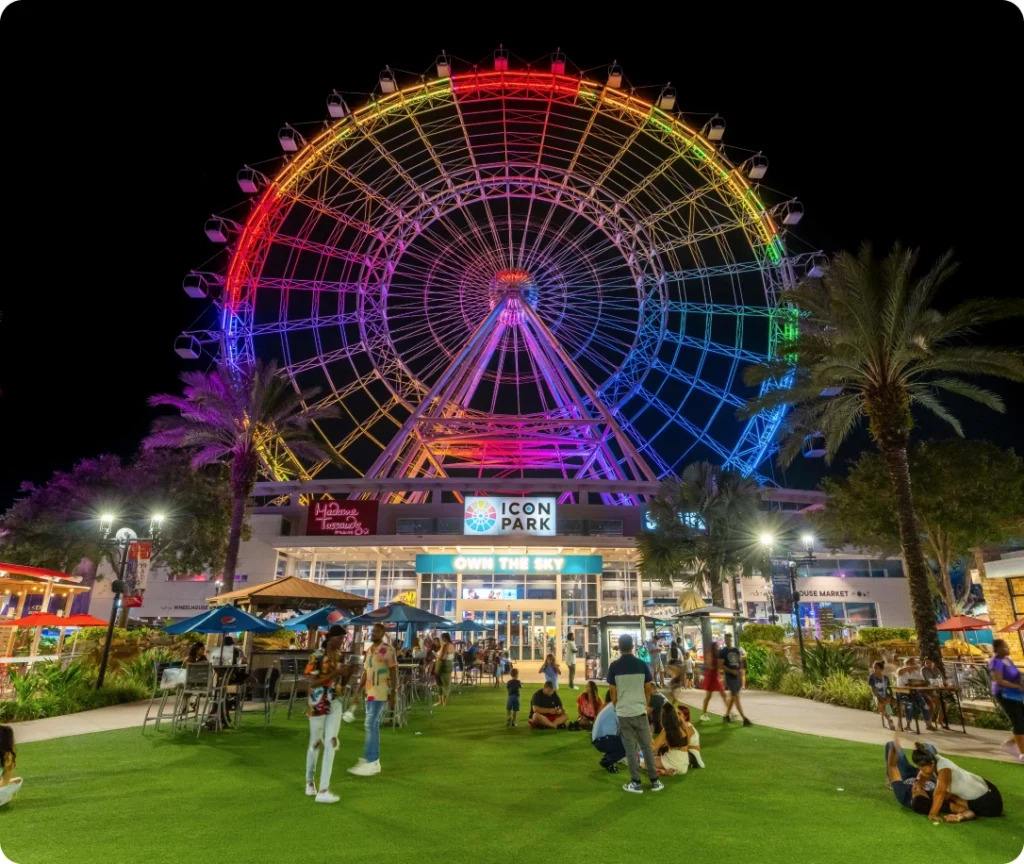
[[400, 614], [321, 619], [221, 619]]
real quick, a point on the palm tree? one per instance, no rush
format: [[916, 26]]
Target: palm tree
[[871, 344], [233, 414], [704, 529]]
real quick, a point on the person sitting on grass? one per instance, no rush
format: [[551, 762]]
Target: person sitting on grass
[[546, 711], [9, 784], [671, 744], [692, 736], [589, 704], [881, 689], [953, 787]]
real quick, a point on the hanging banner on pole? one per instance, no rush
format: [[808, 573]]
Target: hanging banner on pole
[[136, 572]]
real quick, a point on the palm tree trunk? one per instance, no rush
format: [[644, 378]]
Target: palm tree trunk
[[238, 502], [917, 570], [717, 594]]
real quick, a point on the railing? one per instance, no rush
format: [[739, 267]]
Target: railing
[[972, 679]]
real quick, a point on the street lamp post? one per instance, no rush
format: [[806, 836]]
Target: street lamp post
[[123, 540], [794, 562]]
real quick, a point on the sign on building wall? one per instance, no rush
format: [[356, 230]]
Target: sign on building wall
[[573, 565], [496, 516], [341, 518]]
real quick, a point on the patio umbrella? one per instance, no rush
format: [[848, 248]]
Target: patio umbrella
[[320, 618], [400, 614], [1015, 627], [83, 621], [223, 620], [465, 626], [37, 619], [963, 623]]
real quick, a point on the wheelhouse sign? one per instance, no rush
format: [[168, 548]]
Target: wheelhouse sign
[[498, 516]]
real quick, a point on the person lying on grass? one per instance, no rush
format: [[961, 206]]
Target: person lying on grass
[[914, 791], [546, 711], [954, 785]]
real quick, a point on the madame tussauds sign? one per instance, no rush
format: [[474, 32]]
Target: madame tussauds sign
[[495, 516], [341, 518]]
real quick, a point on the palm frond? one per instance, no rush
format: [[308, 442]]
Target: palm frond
[[921, 395]]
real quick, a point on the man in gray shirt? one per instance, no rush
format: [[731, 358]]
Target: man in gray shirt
[[631, 685]]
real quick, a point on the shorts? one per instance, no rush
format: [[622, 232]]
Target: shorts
[[676, 760], [734, 683], [512, 704], [547, 716]]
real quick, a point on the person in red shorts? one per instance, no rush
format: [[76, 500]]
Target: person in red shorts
[[546, 711], [712, 683]]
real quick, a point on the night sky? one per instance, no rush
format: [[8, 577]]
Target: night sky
[[124, 135]]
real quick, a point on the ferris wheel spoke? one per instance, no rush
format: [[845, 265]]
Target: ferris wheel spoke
[[733, 352], [676, 417], [696, 383]]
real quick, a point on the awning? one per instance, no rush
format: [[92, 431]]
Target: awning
[[34, 572]]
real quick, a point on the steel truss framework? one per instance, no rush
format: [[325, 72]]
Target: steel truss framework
[[512, 274]]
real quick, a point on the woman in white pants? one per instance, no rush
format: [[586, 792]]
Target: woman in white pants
[[326, 682]]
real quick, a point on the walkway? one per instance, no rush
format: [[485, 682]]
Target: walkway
[[763, 708]]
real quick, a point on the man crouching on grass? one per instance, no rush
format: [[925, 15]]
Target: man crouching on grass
[[546, 711]]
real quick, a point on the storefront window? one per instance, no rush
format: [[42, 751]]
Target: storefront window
[[892, 568], [856, 568]]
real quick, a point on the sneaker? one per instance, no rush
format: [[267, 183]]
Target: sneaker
[[633, 787], [746, 722], [348, 716], [727, 718], [311, 788], [362, 768], [574, 687], [515, 722], [657, 785], [611, 769], [327, 797], [704, 718]]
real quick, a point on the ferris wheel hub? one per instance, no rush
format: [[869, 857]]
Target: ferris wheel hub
[[515, 285]]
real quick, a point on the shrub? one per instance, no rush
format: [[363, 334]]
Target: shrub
[[793, 683], [775, 667], [756, 657], [828, 658], [841, 689], [870, 635], [989, 720], [139, 671], [753, 633]]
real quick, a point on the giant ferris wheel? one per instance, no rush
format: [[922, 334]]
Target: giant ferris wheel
[[502, 272]]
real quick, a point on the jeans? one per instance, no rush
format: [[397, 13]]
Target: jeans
[[572, 673], [912, 701], [374, 713], [636, 734], [611, 746], [323, 735]]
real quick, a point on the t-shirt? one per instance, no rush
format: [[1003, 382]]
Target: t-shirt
[[570, 650], [607, 723], [909, 677], [881, 685], [380, 660], [674, 654], [551, 674], [732, 659], [1008, 670], [932, 676], [548, 704], [320, 698], [586, 707], [962, 783], [628, 675], [513, 687]]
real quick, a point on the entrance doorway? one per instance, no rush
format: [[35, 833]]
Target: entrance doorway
[[528, 630]]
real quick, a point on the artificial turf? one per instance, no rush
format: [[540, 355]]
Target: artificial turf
[[469, 789]]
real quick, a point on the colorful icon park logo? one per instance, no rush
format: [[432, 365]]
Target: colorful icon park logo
[[481, 516]]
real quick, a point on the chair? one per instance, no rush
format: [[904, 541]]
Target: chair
[[161, 696], [196, 697], [255, 690], [8, 792], [290, 682]]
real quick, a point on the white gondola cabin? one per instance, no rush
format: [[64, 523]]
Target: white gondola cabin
[[187, 347], [217, 229], [336, 106], [250, 180], [615, 76], [558, 63], [814, 446], [501, 60], [715, 128], [794, 213], [196, 285], [444, 69], [290, 140], [387, 81], [758, 166], [667, 100], [816, 266]]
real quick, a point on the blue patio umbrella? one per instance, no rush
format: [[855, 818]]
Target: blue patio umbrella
[[321, 619], [223, 620], [401, 615]]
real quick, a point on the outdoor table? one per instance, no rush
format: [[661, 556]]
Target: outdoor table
[[940, 690], [222, 674]]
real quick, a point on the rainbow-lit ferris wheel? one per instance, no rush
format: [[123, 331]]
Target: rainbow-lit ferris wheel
[[509, 272]]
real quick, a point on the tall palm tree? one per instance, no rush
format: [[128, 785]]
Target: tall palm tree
[[705, 529], [232, 415], [869, 334]]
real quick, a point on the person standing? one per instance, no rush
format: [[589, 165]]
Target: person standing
[[712, 682], [444, 665], [631, 683], [1008, 690], [512, 702], [569, 654], [730, 665], [326, 674], [551, 670], [380, 680]]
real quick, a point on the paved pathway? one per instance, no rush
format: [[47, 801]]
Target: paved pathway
[[763, 708]]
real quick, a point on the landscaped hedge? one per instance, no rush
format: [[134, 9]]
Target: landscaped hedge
[[754, 633], [870, 635]]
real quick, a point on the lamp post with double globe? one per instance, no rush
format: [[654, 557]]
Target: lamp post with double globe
[[807, 540]]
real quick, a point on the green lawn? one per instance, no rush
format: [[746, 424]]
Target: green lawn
[[468, 789]]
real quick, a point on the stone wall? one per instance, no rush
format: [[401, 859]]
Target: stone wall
[[1000, 610]]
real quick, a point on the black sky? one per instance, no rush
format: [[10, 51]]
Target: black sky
[[123, 134]]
